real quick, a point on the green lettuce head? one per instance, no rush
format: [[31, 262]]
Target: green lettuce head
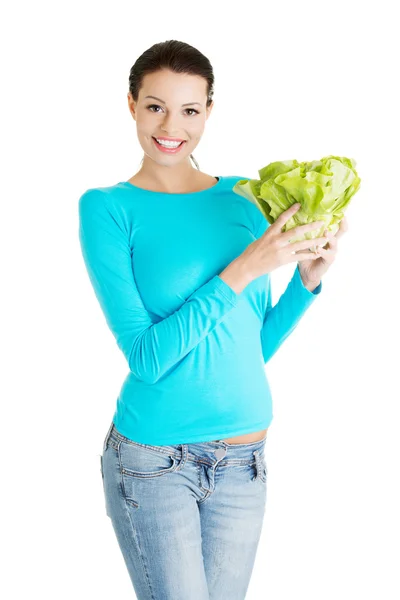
[[323, 187]]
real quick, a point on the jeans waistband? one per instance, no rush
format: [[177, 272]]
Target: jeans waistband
[[241, 453]]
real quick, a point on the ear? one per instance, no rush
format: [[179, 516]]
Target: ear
[[131, 105], [209, 109]]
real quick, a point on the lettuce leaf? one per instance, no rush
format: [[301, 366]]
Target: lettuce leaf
[[323, 187]]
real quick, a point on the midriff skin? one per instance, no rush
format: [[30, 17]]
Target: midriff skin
[[202, 183], [247, 438]]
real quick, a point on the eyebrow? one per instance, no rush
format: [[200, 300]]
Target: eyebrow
[[159, 99]]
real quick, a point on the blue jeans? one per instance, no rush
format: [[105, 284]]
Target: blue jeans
[[187, 517]]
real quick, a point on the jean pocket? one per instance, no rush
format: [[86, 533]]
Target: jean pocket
[[139, 460], [142, 469]]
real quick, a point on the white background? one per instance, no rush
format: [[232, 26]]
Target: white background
[[292, 80]]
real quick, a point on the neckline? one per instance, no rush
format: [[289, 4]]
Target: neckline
[[135, 187]]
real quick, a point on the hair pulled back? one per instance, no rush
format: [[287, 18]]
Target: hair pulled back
[[176, 56]]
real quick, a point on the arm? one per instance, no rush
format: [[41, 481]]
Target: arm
[[150, 349], [280, 320]]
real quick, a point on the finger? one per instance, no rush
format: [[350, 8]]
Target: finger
[[305, 244], [332, 241], [299, 256], [327, 254], [300, 230], [309, 251], [285, 216], [343, 227], [344, 224]]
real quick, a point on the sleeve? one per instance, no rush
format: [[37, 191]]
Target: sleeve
[[150, 349], [282, 318]]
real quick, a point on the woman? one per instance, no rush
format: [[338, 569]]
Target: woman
[[180, 266]]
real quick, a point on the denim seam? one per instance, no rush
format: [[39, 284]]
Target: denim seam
[[124, 493], [142, 561], [150, 474]]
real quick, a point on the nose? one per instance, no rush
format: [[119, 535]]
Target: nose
[[168, 128], [168, 132]]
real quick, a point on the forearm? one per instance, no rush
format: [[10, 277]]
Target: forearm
[[280, 320], [151, 346], [160, 347]]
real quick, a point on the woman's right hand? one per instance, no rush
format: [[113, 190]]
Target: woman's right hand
[[274, 248]]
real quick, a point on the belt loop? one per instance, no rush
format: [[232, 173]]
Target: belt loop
[[107, 436], [256, 454], [184, 457]]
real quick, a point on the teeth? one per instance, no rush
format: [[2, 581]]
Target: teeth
[[167, 143]]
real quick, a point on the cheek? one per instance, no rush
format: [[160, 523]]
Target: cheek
[[144, 123], [195, 134]]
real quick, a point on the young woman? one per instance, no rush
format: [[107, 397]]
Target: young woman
[[180, 266]]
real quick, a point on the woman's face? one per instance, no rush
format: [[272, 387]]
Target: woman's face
[[166, 116]]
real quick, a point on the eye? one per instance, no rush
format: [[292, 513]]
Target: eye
[[153, 105], [157, 106]]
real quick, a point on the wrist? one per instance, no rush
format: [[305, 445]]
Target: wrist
[[236, 275], [309, 284]]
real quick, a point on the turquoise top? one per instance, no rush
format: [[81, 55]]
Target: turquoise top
[[196, 350]]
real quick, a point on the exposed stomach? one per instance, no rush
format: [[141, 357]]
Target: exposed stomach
[[247, 438]]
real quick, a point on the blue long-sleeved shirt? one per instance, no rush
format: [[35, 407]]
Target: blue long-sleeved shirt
[[196, 350]]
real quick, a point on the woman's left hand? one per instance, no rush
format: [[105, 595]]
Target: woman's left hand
[[312, 270]]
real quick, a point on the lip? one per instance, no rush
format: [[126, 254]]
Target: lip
[[168, 139], [168, 150]]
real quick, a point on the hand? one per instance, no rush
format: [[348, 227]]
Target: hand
[[274, 248], [312, 270]]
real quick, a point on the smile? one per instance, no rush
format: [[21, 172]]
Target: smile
[[169, 149]]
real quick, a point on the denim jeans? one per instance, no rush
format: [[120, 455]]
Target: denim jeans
[[187, 517]]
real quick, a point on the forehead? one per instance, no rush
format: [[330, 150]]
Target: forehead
[[174, 87]]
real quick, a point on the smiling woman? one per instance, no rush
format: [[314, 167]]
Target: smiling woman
[[192, 414]]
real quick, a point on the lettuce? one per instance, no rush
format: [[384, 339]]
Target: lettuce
[[323, 187]]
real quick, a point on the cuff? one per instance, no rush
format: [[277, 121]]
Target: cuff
[[225, 290]]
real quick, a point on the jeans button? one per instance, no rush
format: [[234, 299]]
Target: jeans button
[[220, 452]]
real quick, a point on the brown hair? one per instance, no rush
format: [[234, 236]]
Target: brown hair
[[176, 56]]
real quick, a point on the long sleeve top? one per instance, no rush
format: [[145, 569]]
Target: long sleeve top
[[195, 349]]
